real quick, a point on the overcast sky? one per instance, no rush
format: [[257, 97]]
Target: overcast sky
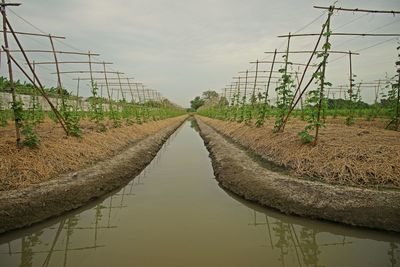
[[183, 48]]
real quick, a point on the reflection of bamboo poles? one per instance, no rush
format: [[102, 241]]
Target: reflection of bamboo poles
[[289, 229], [48, 257], [56, 250], [294, 243], [69, 227], [130, 189], [69, 232], [269, 231], [59, 250]]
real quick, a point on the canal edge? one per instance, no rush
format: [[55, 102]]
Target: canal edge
[[378, 209], [23, 207]]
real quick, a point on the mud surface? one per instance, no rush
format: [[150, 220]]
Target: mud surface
[[58, 154], [241, 174], [19, 208], [344, 155]]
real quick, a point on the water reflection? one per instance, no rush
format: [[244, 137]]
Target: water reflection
[[39, 244], [293, 238], [169, 216], [193, 124]]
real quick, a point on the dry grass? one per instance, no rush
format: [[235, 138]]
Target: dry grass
[[356, 155], [58, 154]]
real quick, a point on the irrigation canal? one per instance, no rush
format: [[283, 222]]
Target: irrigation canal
[[175, 214]]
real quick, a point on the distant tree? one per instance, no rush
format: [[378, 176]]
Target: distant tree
[[343, 104], [196, 102], [223, 101], [207, 95]]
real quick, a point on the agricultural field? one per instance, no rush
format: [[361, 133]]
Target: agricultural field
[[120, 145], [289, 113]]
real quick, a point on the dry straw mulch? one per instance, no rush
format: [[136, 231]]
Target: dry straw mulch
[[355, 155], [58, 154]]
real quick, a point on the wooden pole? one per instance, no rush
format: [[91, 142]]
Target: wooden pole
[[245, 89], [398, 101], [40, 88], [59, 85], [131, 91], [120, 87], [255, 85], [351, 80], [144, 94], [137, 91], [345, 34], [324, 63], [49, 51], [107, 87], [269, 79], [291, 106], [17, 119], [35, 34], [77, 95], [393, 12], [284, 95], [90, 69]]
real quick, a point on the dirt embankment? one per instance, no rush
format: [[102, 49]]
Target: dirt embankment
[[241, 174], [36, 202], [57, 154], [359, 156]]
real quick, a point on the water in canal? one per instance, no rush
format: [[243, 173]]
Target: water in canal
[[175, 214]]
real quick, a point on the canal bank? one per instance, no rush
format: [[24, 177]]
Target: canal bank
[[37, 202], [238, 172], [175, 214]]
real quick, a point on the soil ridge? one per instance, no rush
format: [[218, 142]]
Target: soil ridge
[[238, 172], [35, 203]]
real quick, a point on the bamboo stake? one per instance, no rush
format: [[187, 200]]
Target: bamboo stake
[[120, 86], [324, 63], [130, 89], [255, 85], [50, 51], [291, 106], [107, 87], [17, 120], [34, 34], [77, 95], [59, 85], [345, 34], [40, 87], [360, 10], [269, 79]]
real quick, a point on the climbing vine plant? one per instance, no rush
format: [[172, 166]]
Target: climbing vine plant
[[316, 99], [284, 92], [394, 99], [96, 109]]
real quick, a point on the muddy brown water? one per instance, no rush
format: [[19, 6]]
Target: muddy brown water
[[175, 214]]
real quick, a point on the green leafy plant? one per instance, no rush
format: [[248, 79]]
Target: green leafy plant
[[394, 99], [3, 114], [392, 105], [31, 139], [96, 109], [284, 94], [316, 100], [350, 118], [26, 124]]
